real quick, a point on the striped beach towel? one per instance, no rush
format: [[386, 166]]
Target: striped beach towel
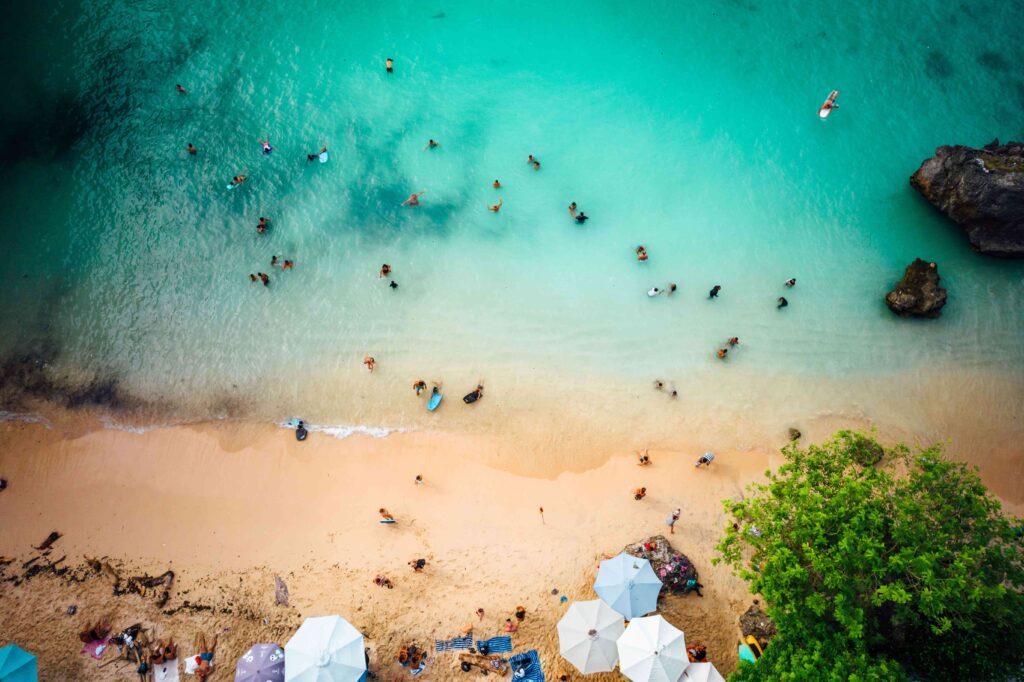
[[526, 667], [453, 644], [495, 645]]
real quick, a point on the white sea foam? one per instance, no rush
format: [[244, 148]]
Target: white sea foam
[[342, 431], [28, 417], [109, 423]]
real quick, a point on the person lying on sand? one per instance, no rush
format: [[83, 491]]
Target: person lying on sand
[[510, 626], [386, 515], [161, 652], [520, 613], [643, 459], [205, 657], [383, 581], [639, 494], [369, 362]]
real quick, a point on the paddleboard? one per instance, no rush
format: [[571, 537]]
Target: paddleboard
[[323, 157], [232, 186], [435, 400], [654, 292], [826, 109], [387, 521]]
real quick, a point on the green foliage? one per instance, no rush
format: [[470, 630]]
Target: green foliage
[[908, 566]]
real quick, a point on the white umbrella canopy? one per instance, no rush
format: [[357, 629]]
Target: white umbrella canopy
[[587, 636], [325, 649], [652, 650], [701, 672], [628, 584]]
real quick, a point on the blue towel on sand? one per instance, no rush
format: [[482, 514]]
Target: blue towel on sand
[[495, 645], [453, 644], [529, 662]]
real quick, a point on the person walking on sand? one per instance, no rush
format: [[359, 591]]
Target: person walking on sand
[[496, 207], [369, 362], [414, 199], [706, 459], [419, 386], [671, 521], [639, 494], [418, 480]]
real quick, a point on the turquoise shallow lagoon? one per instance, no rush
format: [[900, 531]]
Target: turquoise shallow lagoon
[[691, 128]]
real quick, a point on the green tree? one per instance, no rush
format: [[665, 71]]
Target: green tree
[[872, 572]]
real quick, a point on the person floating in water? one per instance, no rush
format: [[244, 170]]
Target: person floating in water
[[181, 90], [191, 149], [322, 155], [432, 144], [536, 165], [288, 264], [266, 145], [671, 288], [582, 218], [237, 180], [791, 282], [414, 199], [419, 386], [782, 302], [714, 291], [252, 277], [262, 225], [572, 209], [389, 64], [273, 261], [722, 352], [734, 341], [496, 207], [385, 270], [530, 159], [497, 185], [369, 361], [641, 253], [265, 279]]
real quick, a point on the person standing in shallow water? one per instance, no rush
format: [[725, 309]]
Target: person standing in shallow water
[[191, 149], [389, 65], [782, 302], [714, 291]]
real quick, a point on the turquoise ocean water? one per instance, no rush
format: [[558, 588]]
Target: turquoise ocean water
[[691, 128]]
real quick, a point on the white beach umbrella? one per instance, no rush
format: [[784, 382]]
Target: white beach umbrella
[[325, 649], [587, 635], [629, 585], [701, 672], [652, 650]]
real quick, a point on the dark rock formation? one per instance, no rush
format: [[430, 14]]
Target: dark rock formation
[[918, 294], [982, 190], [757, 623], [672, 567], [794, 434]]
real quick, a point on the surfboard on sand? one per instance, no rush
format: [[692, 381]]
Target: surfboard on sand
[[435, 400]]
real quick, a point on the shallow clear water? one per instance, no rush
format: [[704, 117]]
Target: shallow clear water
[[690, 128]]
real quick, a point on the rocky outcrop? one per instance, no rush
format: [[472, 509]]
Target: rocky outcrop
[[982, 190], [672, 567], [918, 294], [757, 623]]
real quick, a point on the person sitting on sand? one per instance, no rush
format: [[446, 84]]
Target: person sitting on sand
[[639, 494], [403, 656], [419, 386], [414, 199], [697, 652], [161, 652], [418, 565], [383, 581], [97, 632], [520, 613], [582, 218], [722, 353], [3, 483], [641, 253], [191, 149], [510, 626], [431, 144], [791, 282], [496, 207], [369, 362], [734, 341], [714, 291], [266, 145], [237, 180], [386, 515], [782, 302], [205, 657], [643, 459], [497, 185], [572, 210]]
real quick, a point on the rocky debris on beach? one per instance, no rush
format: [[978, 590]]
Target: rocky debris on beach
[[672, 567], [794, 434], [918, 294], [756, 622], [982, 190]]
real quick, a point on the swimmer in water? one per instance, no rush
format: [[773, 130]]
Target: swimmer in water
[[782, 302], [496, 207], [181, 90], [262, 226], [414, 199], [273, 261], [288, 264], [530, 159], [252, 277], [389, 64], [369, 362], [572, 209], [536, 165], [791, 282], [237, 180], [497, 185], [385, 270], [722, 352], [654, 291], [191, 149], [714, 291], [641, 253], [419, 386], [582, 218], [265, 279], [394, 284], [431, 144], [734, 341], [671, 288], [266, 145]]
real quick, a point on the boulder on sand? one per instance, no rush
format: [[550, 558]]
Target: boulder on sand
[[757, 623], [982, 190], [918, 294], [672, 568]]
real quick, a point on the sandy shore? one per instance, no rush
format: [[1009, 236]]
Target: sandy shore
[[228, 506]]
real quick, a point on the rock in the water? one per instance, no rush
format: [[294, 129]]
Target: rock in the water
[[982, 190], [918, 294]]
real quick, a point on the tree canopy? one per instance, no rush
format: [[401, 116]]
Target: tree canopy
[[880, 571]]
